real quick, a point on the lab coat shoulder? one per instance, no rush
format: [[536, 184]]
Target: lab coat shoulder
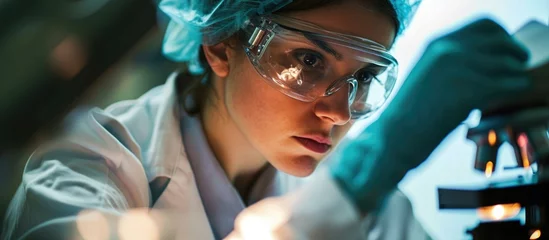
[[98, 162], [86, 168]]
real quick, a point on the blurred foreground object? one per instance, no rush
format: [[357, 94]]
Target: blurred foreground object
[[320, 210], [525, 127], [53, 52]]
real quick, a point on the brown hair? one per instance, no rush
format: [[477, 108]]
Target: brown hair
[[196, 87]]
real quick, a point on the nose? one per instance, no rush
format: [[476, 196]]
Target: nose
[[334, 108]]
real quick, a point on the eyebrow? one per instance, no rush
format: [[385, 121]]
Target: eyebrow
[[322, 45], [316, 41]]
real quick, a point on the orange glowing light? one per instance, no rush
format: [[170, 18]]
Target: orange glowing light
[[535, 235], [93, 225], [525, 159], [522, 140], [489, 169], [260, 222], [492, 138], [68, 58], [499, 212], [138, 224]]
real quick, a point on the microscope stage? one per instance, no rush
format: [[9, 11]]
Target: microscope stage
[[526, 194]]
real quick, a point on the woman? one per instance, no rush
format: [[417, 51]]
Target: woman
[[277, 96]]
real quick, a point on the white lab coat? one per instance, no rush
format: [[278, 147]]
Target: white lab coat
[[106, 160]]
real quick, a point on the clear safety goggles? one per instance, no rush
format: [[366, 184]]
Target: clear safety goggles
[[306, 62]]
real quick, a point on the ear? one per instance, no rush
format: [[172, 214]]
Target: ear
[[217, 57]]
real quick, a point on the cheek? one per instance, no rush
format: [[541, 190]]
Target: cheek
[[254, 105], [247, 99], [340, 131]]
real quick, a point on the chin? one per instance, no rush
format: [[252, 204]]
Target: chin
[[301, 166]]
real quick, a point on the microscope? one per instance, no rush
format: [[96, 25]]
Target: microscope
[[524, 127]]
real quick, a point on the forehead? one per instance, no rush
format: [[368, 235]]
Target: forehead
[[353, 18]]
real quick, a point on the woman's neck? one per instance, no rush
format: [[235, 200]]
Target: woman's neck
[[236, 155]]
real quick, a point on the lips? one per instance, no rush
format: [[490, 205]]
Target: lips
[[318, 145]]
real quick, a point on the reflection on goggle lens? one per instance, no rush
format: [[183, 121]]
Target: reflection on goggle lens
[[306, 62]]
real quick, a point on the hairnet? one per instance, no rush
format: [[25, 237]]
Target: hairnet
[[196, 22], [404, 10]]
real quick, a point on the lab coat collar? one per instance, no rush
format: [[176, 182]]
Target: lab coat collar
[[162, 153]]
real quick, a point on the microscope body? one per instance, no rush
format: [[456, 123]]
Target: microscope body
[[523, 123], [525, 129]]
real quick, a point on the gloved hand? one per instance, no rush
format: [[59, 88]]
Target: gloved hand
[[476, 67]]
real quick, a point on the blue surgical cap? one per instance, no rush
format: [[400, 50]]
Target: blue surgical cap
[[404, 9], [196, 22]]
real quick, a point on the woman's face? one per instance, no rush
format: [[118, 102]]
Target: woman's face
[[294, 135]]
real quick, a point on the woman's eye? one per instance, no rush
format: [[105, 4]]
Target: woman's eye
[[309, 59], [364, 76]]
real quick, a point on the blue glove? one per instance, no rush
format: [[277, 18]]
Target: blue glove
[[477, 67]]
